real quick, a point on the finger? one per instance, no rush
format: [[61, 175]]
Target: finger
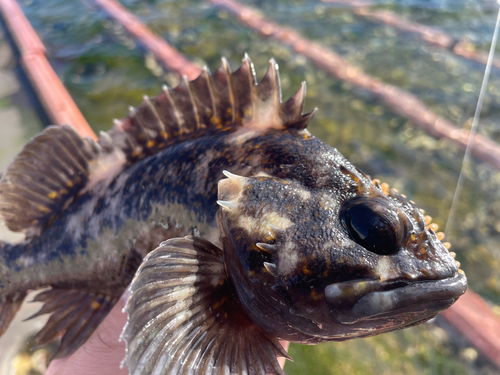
[[55, 364], [102, 353], [282, 360]]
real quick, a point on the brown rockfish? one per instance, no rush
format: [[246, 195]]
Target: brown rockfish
[[270, 234]]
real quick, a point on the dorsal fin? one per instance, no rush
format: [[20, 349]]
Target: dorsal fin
[[58, 164], [210, 102]]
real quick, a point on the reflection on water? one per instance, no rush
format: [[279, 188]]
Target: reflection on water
[[106, 72]]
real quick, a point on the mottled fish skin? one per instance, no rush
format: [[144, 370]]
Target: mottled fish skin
[[170, 194], [285, 238]]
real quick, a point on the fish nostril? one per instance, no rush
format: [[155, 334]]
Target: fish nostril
[[372, 225]]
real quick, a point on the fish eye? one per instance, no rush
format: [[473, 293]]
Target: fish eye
[[372, 224]]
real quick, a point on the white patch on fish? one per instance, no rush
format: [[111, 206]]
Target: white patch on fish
[[288, 258], [385, 269], [259, 225], [105, 167]]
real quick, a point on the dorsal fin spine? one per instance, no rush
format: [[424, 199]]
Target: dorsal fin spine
[[222, 78], [152, 126], [248, 69], [273, 66], [269, 92], [196, 115], [130, 144], [300, 99], [146, 134], [205, 101], [215, 116], [183, 101], [160, 125], [177, 116], [105, 137], [291, 110], [252, 75], [117, 124], [143, 136], [227, 72], [252, 83]]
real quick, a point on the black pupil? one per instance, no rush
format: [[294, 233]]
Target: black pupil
[[367, 226]]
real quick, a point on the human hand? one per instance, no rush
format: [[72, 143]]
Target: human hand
[[103, 352]]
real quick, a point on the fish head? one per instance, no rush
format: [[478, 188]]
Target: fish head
[[332, 262]]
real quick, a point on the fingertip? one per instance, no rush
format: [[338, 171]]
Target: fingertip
[[282, 360], [55, 365], [102, 354]]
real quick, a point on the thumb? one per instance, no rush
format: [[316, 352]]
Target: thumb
[[285, 345]]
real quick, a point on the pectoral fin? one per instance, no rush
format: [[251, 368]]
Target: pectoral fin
[[183, 318]]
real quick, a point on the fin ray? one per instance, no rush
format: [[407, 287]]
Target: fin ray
[[74, 317], [59, 319], [243, 82], [79, 332], [9, 305]]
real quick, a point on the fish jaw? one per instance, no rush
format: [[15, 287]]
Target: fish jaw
[[398, 300], [291, 255]]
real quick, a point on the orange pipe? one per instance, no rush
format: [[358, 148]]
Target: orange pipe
[[431, 35], [56, 101], [473, 318], [26, 39], [54, 97]]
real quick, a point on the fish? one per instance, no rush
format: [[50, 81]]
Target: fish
[[229, 223]]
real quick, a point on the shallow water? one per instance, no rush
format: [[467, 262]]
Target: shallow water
[[106, 72]]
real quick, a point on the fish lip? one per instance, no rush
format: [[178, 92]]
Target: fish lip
[[391, 298]]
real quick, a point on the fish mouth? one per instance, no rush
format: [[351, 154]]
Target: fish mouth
[[355, 301]]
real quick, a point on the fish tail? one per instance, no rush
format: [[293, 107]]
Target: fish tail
[[9, 302]]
